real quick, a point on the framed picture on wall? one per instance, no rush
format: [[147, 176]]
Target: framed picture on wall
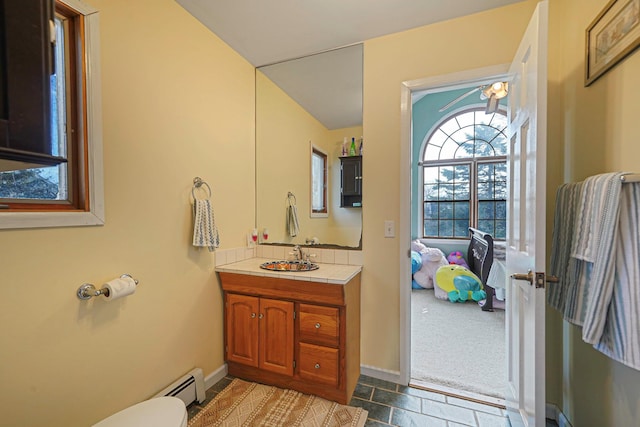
[[614, 34]]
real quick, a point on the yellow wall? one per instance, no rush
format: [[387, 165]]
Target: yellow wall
[[345, 223], [592, 130], [283, 132], [484, 39], [177, 103]]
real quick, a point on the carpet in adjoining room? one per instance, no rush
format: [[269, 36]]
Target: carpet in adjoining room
[[244, 403], [457, 345]]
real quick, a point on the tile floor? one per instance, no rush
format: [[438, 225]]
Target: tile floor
[[392, 404]]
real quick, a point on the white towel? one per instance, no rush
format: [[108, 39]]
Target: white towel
[[205, 232], [292, 221]]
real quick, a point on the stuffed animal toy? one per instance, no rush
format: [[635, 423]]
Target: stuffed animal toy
[[457, 259], [418, 246], [416, 264], [459, 283], [432, 259]]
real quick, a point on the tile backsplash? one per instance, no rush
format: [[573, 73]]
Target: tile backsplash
[[325, 256]]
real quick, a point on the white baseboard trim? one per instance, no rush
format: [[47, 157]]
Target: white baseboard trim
[[554, 413], [215, 376], [381, 374]]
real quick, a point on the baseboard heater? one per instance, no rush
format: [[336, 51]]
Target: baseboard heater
[[189, 388]]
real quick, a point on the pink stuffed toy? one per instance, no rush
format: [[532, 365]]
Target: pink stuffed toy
[[457, 259]]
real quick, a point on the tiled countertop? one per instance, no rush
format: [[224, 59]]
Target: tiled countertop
[[338, 274]]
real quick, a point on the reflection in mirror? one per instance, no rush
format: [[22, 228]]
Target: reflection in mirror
[[319, 199], [315, 101]]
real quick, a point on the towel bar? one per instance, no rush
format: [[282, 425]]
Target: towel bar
[[630, 177]]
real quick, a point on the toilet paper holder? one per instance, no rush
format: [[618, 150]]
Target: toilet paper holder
[[88, 290]]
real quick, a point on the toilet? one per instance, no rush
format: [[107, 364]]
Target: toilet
[[157, 412]]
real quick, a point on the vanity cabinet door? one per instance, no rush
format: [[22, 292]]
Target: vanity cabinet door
[[259, 332], [276, 336], [241, 327]]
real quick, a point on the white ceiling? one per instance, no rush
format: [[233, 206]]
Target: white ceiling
[[269, 31]]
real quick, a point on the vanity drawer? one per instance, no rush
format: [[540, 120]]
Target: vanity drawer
[[320, 325], [318, 363]]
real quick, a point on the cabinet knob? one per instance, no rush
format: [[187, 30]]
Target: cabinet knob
[[260, 316], [253, 315], [317, 366], [317, 325]]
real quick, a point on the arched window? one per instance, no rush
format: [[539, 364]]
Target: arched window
[[465, 175]]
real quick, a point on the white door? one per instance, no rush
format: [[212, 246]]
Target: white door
[[526, 234]]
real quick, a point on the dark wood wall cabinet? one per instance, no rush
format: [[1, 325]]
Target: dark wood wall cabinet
[[351, 182], [305, 338], [26, 66]]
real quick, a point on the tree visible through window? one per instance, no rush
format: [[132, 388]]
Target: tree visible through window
[[465, 176]]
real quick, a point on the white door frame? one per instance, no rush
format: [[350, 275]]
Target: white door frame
[[434, 84]]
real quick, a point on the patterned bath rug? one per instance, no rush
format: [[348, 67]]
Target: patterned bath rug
[[249, 404]]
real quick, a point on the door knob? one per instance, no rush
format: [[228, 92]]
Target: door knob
[[535, 279], [528, 277]]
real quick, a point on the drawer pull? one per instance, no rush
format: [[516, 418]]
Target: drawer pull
[[317, 325], [317, 366]]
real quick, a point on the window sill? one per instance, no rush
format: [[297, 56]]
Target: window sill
[[17, 220]]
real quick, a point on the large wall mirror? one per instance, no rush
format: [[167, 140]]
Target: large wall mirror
[[315, 101]]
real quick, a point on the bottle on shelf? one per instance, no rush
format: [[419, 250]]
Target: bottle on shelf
[[360, 148], [352, 149], [344, 147]]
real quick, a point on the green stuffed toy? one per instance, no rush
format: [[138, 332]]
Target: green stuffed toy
[[459, 283]]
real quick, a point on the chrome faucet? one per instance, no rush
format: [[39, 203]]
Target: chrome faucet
[[298, 253]]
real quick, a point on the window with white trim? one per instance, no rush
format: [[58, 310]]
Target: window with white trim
[[319, 200], [464, 170], [70, 193]]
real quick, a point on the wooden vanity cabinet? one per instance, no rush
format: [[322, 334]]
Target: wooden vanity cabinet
[[267, 338], [293, 334]]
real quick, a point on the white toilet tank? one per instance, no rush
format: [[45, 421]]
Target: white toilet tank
[[157, 412]]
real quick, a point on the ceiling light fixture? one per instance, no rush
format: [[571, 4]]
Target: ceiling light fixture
[[494, 93]]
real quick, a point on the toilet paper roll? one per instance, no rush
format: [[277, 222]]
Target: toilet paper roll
[[120, 287]]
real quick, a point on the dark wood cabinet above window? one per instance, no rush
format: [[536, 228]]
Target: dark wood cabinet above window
[[26, 67], [351, 182]]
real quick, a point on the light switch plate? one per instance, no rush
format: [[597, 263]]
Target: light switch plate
[[389, 228]]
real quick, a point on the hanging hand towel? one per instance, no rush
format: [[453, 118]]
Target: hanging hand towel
[[205, 232], [292, 221], [292, 216]]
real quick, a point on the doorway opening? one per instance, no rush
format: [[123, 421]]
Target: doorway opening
[[458, 180]]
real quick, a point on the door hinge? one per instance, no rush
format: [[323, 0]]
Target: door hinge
[[294, 363], [294, 315]]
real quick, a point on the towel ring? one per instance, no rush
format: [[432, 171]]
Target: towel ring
[[290, 195], [198, 183]]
